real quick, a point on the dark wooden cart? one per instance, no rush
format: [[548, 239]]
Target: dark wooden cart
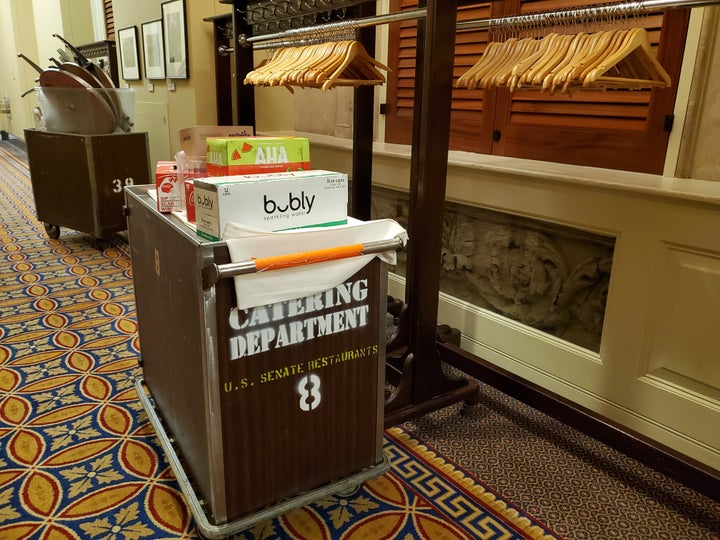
[[78, 180], [256, 429]]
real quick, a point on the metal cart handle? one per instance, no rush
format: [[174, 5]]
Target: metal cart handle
[[213, 273]]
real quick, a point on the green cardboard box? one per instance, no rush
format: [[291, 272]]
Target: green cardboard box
[[227, 156]]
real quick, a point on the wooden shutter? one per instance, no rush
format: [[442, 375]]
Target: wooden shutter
[[613, 129], [468, 110], [109, 20]]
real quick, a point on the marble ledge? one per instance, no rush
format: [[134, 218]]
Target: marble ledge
[[703, 191]]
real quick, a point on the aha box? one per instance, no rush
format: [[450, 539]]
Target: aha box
[[170, 192], [270, 202], [254, 155]]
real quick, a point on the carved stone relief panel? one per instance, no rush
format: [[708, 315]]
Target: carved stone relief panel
[[550, 277]]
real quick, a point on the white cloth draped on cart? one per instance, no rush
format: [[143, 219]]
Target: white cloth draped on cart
[[269, 287]]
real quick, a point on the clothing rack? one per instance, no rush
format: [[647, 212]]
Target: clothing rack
[[585, 14], [416, 355]]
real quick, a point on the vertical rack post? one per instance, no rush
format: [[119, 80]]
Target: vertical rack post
[[423, 386], [222, 37], [245, 93], [363, 123]]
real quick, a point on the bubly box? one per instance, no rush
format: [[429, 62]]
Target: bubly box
[[270, 202], [253, 155], [170, 194], [189, 200]]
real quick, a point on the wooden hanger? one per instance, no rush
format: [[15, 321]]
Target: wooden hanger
[[319, 66], [603, 49], [468, 78], [524, 65], [495, 53], [537, 69], [523, 49], [605, 59], [633, 57], [260, 74], [300, 59], [596, 46], [576, 46], [563, 73], [328, 57], [357, 68], [503, 52]]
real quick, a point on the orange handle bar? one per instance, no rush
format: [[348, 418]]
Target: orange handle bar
[[277, 262]]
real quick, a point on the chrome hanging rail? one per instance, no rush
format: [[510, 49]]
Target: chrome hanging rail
[[585, 14], [559, 16]]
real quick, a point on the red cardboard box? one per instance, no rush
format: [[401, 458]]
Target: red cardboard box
[[190, 200], [170, 195]]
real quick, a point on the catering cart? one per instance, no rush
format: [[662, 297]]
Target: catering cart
[[78, 180], [259, 410]]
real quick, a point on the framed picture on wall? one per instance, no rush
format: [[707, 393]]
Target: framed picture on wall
[[175, 34], [129, 59], [153, 49]]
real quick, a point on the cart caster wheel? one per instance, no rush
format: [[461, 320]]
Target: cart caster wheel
[[100, 244], [465, 409], [349, 492], [53, 231]]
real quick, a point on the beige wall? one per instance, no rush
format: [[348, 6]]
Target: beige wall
[[163, 107]]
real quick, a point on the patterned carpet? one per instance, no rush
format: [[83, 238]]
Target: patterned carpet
[[78, 457], [581, 488]]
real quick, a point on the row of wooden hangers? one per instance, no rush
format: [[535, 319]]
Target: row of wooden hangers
[[601, 60], [324, 65]]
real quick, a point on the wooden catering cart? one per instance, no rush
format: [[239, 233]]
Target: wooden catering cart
[[252, 431], [78, 180]]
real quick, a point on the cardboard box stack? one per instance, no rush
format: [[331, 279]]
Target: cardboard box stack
[[225, 174], [191, 160]]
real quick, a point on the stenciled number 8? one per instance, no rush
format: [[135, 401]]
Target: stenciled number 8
[[309, 390]]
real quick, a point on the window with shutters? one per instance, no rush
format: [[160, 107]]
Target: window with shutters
[[617, 129]]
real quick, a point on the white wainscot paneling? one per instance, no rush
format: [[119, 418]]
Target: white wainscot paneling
[[684, 347]]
